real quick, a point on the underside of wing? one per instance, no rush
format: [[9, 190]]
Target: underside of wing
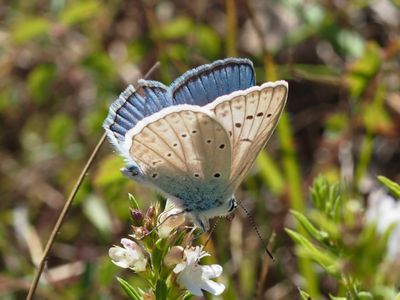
[[249, 117], [185, 153]]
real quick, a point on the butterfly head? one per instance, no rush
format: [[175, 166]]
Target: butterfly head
[[201, 218], [132, 171]]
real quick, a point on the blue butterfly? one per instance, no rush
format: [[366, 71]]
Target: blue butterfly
[[195, 140]]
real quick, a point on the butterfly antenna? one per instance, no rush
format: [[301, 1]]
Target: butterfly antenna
[[253, 223], [152, 69]]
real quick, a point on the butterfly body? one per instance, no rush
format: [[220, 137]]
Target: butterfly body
[[195, 140]]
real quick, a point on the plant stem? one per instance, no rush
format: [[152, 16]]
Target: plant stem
[[66, 207], [231, 22]]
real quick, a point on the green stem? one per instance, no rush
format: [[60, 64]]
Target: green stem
[[293, 178], [294, 181]]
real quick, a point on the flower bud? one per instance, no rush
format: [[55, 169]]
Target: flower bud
[[151, 212], [137, 217]]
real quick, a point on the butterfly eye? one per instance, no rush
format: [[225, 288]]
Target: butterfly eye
[[130, 170], [232, 205]]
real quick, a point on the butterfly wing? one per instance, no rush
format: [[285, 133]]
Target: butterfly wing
[[198, 86], [249, 117], [206, 83], [185, 153]]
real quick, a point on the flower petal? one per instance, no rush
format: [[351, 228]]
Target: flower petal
[[213, 287], [212, 271], [192, 284]]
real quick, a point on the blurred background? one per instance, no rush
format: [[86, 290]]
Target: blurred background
[[62, 63]]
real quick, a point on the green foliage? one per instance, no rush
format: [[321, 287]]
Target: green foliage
[[39, 80], [392, 186], [327, 198], [60, 131], [351, 250], [161, 290], [131, 292], [362, 70], [79, 12], [29, 28], [63, 62], [270, 173], [96, 211]]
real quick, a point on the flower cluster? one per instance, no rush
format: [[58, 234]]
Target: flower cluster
[[154, 249]]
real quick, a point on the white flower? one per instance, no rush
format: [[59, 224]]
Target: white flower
[[195, 277], [171, 218], [131, 256], [384, 211]]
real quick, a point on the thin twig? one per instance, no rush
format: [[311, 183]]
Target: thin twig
[[66, 207], [61, 219]]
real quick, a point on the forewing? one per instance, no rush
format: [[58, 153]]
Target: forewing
[[184, 152], [249, 117]]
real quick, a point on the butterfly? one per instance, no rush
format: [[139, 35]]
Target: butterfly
[[195, 140]]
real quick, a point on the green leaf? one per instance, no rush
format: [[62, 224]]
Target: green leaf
[[133, 202], [176, 28], [351, 42], [392, 186], [39, 81], [317, 73], [109, 171], [311, 229], [365, 296], [161, 290], [326, 224], [337, 298], [60, 130], [102, 67], [337, 123], [208, 41], [189, 296], [29, 28], [97, 213], [326, 197], [376, 118], [362, 70], [304, 295], [308, 250], [131, 292], [158, 253], [79, 12]]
